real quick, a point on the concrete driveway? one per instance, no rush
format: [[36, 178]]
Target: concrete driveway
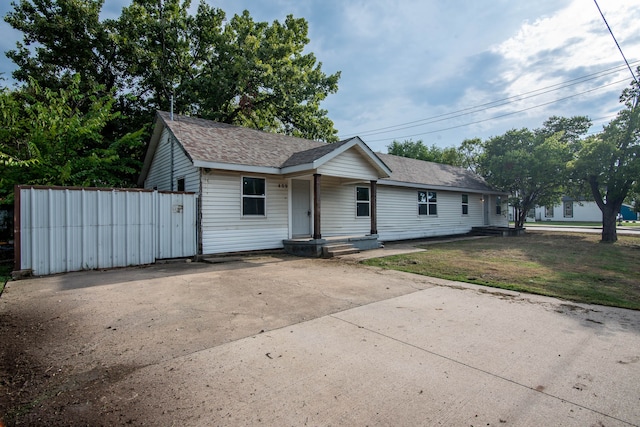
[[274, 340]]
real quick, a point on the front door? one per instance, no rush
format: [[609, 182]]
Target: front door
[[301, 208], [485, 208]]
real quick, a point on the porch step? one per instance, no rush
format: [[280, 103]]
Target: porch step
[[496, 231], [337, 249]]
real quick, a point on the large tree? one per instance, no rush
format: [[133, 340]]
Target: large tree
[[608, 164], [48, 140], [236, 71], [417, 150], [470, 151], [63, 39], [531, 165]]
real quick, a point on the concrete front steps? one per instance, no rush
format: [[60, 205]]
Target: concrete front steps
[[331, 246], [497, 231], [337, 249]]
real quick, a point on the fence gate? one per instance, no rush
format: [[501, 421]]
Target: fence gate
[[60, 229]]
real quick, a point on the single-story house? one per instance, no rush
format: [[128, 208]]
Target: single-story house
[[259, 190], [572, 210]]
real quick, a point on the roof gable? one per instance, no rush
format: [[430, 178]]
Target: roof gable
[[319, 156]]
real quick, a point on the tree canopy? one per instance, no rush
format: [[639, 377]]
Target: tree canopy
[[530, 165], [122, 70], [417, 150], [48, 140], [608, 164], [235, 71]]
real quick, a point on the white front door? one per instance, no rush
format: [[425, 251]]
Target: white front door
[[300, 208]]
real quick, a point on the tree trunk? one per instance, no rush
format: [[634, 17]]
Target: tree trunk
[[609, 211], [520, 217], [609, 233]]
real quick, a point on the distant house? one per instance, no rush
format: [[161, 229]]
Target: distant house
[[571, 210], [260, 190]]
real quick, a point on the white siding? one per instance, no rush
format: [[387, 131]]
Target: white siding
[[588, 212], [169, 152], [223, 227], [349, 164], [338, 209], [495, 219], [398, 214]]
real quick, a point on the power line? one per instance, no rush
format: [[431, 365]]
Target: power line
[[501, 115], [617, 44], [478, 110], [488, 105]]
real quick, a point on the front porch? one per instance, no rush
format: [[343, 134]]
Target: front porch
[[330, 246]]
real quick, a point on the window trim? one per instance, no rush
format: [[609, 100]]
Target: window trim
[[363, 202], [181, 180], [427, 201], [548, 211], [498, 205], [262, 197], [465, 204], [564, 209]]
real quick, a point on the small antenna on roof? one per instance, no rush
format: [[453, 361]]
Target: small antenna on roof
[[171, 112]]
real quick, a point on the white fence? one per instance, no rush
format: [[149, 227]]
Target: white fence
[[68, 229]]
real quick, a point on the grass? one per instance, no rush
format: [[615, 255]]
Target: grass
[[576, 224], [571, 266]]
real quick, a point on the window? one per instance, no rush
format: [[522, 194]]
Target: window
[[427, 203], [498, 205], [465, 204], [548, 212], [363, 203], [253, 196], [568, 209], [180, 184]]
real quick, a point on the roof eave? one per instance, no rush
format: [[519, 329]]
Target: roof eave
[[439, 187], [299, 168], [158, 127], [234, 167]]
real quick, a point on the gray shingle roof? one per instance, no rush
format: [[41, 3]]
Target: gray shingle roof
[[208, 141], [309, 156], [435, 174]]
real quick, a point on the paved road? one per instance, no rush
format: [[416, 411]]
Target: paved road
[[278, 341]]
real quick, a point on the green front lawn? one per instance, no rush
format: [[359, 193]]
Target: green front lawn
[[576, 224], [571, 266]]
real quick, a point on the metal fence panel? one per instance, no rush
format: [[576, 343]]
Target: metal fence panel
[[176, 213], [70, 229]]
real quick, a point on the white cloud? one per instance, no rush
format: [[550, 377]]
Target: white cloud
[[558, 44], [570, 43]]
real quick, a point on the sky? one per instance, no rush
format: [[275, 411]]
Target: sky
[[443, 71]]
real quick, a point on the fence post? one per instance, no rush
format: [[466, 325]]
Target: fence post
[[17, 247]]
